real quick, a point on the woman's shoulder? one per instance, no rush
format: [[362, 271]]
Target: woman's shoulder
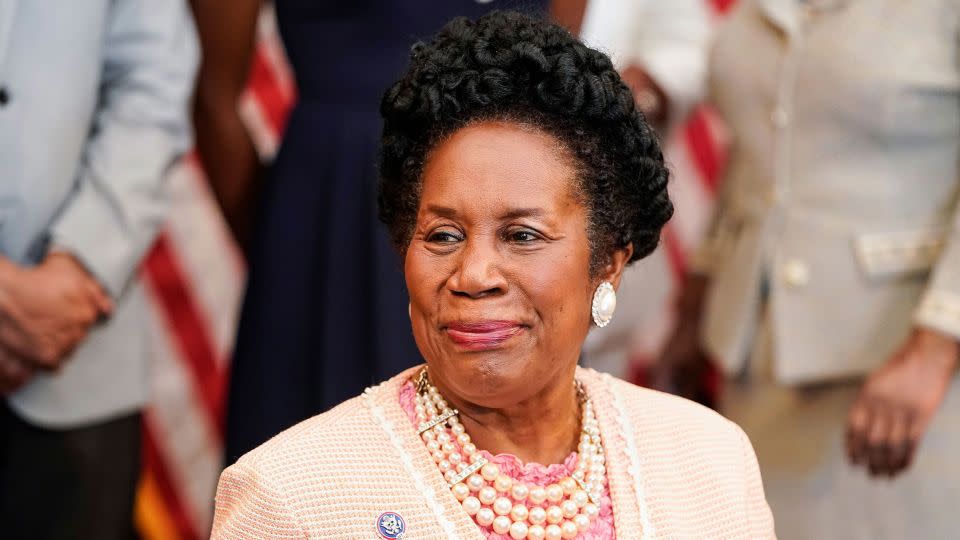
[[652, 412], [324, 434]]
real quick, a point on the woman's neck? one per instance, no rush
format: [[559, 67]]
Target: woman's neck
[[542, 429]]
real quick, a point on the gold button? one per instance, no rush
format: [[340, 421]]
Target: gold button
[[796, 273]]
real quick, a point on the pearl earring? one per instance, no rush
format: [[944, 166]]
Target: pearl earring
[[604, 304]]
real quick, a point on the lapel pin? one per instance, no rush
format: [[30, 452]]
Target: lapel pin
[[391, 526]]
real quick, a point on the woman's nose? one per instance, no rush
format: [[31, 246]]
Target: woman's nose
[[478, 272]]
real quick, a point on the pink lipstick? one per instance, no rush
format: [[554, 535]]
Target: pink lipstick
[[482, 335]]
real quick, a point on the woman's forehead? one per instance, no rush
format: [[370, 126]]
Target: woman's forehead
[[500, 168]]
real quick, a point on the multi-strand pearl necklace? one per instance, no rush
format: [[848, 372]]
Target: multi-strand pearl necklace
[[552, 512]]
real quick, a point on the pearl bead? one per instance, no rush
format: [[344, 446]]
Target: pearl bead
[[503, 483], [518, 530], [460, 491], [429, 436], [463, 439], [519, 512], [469, 448], [501, 525], [519, 491], [537, 515], [475, 482], [582, 522], [433, 446], [438, 456], [538, 495], [554, 514], [457, 428], [554, 492], [489, 472], [450, 475], [580, 498], [569, 508], [444, 466], [461, 467], [568, 485], [475, 457], [552, 532], [471, 505], [487, 495], [455, 458], [443, 437], [485, 517], [536, 532], [502, 506], [591, 510], [568, 529], [448, 448]]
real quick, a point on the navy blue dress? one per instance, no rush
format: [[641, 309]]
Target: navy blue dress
[[325, 312]]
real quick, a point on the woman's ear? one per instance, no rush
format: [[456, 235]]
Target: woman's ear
[[613, 270]]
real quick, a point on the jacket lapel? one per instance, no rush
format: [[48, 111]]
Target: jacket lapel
[[387, 396], [8, 10], [621, 473], [784, 14]]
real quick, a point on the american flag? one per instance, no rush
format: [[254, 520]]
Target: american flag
[[194, 278]]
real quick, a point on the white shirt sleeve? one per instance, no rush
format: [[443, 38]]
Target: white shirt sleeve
[[667, 38]]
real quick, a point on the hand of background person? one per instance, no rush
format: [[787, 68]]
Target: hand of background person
[[47, 310], [651, 100], [683, 364], [898, 401], [14, 372]]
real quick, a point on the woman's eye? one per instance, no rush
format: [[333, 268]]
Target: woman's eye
[[523, 236], [443, 237]]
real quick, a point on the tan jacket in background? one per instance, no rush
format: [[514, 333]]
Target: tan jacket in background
[[841, 187]]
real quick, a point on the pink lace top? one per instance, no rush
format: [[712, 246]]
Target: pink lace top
[[530, 473]]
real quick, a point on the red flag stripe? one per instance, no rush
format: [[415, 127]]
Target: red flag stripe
[[703, 148], [675, 254], [273, 100], [722, 6], [188, 328]]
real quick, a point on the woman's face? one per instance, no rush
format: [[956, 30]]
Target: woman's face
[[498, 265]]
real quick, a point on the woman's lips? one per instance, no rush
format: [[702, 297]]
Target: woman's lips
[[483, 335]]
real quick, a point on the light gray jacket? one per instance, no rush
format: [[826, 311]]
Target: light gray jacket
[[97, 111], [841, 187]]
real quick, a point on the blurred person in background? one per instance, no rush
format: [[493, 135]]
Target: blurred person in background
[[660, 49], [94, 109], [325, 311], [829, 290]]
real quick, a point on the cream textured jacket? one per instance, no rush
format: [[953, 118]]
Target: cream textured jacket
[[676, 470]]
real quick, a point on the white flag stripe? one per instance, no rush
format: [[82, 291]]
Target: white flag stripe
[[211, 263], [183, 434]]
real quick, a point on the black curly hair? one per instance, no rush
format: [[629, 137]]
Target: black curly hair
[[511, 67]]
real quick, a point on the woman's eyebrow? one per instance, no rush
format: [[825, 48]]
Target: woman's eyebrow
[[441, 211], [515, 213]]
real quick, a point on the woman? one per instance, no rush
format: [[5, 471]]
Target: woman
[[829, 290], [305, 263], [518, 180]]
